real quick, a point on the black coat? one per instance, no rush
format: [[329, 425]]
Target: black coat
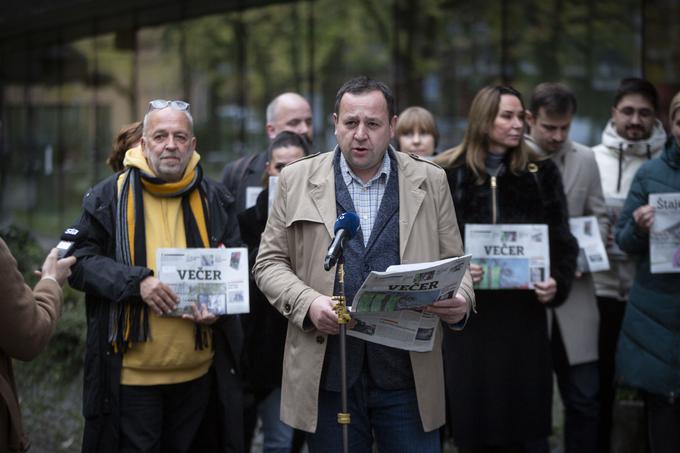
[[264, 327], [106, 282], [498, 369]]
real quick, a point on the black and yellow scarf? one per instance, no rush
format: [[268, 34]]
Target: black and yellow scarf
[[129, 320]]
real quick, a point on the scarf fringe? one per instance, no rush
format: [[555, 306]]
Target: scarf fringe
[[129, 320]]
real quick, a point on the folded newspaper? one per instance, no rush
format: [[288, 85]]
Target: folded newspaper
[[386, 307], [664, 237], [215, 278], [513, 256], [592, 256]]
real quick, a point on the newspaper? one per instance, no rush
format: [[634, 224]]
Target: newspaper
[[386, 307], [592, 256], [664, 237], [273, 189], [614, 206], [513, 256], [252, 192], [215, 278]]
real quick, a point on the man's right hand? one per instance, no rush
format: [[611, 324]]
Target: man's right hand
[[323, 316], [158, 295]]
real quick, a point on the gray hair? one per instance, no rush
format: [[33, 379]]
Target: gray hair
[[145, 122]]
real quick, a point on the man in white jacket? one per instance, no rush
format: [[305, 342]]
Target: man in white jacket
[[574, 324], [632, 136]]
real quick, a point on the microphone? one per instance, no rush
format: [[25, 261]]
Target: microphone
[[346, 226], [69, 238]]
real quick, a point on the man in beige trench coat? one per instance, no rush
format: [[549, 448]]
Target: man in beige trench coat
[[404, 204]]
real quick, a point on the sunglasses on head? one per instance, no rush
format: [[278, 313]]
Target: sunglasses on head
[[158, 104]]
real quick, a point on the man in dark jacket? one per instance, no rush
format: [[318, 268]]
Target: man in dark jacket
[[242, 177], [265, 328], [153, 381]]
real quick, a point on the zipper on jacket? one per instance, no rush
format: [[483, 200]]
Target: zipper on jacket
[[493, 199]]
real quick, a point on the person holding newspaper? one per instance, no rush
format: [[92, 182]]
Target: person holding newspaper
[[647, 355], [406, 216], [574, 325], [264, 328], [498, 371], [156, 382]]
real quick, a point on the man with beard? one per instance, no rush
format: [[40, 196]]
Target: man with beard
[[287, 112], [575, 323], [155, 382], [632, 137]]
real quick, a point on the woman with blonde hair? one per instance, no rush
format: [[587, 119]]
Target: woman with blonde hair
[[498, 370], [417, 132]]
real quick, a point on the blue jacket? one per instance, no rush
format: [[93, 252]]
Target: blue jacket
[[648, 355]]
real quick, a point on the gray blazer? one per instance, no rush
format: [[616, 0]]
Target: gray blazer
[[578, 317]]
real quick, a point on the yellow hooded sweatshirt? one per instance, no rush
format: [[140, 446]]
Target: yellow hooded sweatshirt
[[169, 356]]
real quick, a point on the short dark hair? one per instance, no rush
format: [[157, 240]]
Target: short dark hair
[[636, 85], [285, 139], [554, 98], [363, 84]]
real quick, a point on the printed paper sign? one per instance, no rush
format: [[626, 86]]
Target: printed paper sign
[[513, 256], [216, 278], [664, 237]]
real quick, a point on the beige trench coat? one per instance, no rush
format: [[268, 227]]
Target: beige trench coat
[[289, 271]]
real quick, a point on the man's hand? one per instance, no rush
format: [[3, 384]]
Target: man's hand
[[644, 217], [545, 291], [450, 311], [158, 295], [200, 315], [476, 272], [323, 316], [58, 269]]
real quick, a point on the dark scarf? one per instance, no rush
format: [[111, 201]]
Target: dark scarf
[[129, 320]]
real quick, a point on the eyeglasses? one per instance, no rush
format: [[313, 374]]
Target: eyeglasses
[[158, 104], [630, 111]]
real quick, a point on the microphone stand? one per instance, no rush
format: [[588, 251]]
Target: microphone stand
[[340, 308]]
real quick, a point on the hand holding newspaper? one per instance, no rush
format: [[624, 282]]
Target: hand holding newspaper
[[216, 278], [664, 236], [386, 307], [592, 256], [513, 256]]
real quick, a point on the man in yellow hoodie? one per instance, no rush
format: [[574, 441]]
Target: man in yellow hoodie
[[153, 382]]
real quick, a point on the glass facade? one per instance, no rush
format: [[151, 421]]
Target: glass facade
[[62, 102]]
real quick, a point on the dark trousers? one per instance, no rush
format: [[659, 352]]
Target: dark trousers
[[162, 418], [579, 390], [389, 418], [663, 423], [532, 446], [611, 318]]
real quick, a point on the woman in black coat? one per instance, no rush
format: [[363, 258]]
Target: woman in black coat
[[498, 370]]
